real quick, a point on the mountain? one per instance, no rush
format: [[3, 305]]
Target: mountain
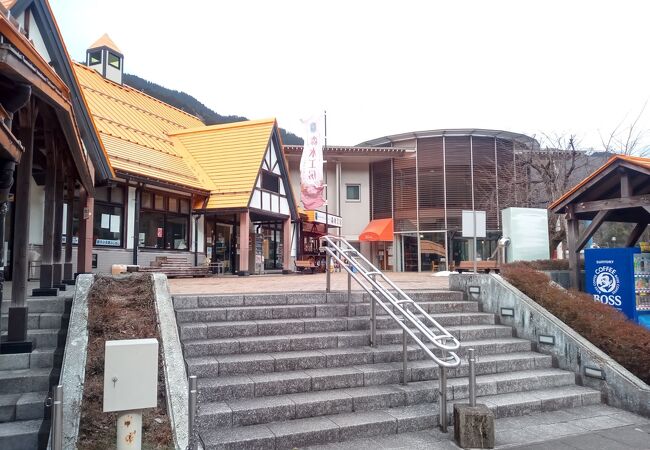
[[191, 105]]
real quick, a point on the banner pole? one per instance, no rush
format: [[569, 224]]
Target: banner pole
[[327, 188]]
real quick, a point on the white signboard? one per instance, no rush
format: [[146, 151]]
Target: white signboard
[[329, 219], [468, 224]]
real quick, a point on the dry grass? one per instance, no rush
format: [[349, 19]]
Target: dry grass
[[604, 326], [120, 307]]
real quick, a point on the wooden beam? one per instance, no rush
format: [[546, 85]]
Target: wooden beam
[[591, 229], [636, 234], [626, 188], [634, 201]]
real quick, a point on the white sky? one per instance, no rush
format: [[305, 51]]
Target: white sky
[[385, 67]]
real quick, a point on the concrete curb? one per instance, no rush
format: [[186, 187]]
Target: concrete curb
[[176, 383], [73, 369], [619, 387]]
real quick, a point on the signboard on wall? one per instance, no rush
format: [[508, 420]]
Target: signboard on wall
[[321, 217]]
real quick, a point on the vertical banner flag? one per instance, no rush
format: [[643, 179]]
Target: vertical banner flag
[[311, 165]]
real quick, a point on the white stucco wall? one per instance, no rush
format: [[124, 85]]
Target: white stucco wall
[[35, 36], [356, 214]]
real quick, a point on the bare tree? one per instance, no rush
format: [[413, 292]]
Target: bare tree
[[627, 138]]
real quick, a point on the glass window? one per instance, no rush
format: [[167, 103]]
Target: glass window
[[353, 192], [114, 60], [107, 225], [101, 194], [117, 195], [159, 202], [152, 230], [185, 206], [94, 58], [176, 232], [146, 200], [173, 204], [270, 182]]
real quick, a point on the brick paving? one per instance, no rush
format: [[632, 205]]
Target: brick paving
[[295, 283]]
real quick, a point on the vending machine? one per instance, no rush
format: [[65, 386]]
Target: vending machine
[[620, 277]]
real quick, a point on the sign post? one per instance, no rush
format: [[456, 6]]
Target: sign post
[[474, 227]]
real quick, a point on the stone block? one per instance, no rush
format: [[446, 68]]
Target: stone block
[[220, 301], [203, 366], [285, 361], [280, 383], [336, 378], [306, 298], [245, 364], [192, 331], [313, 342], [183, 301], [264, 344], [473, 426], [353, 339], [249, 313], [225, 388], [220, 330], [323, 325], [376, 397], [324, 403], [331, 310], [213, 415], [341, 357], [262, 410], [265, 299], [415, 418], [304, 432], [255, 437], [278, 327], [364, 424]]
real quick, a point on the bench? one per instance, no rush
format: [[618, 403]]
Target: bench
[[305, 264], [481, 266]]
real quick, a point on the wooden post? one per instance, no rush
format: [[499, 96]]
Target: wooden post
[[244, 225], [45, 280], [85, 246], [636, 234], [286, 245], [68, 278], [57, 263], [7, 168], [18, 311], [136, 223], [574, 253]]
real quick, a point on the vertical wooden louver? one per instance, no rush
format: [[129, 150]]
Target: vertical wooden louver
[[431, 184], [459, 180], [404, 194], [380, 187]]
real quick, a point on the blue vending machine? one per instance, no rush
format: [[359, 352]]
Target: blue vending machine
[[620, 277]]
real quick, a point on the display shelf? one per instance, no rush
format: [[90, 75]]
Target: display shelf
[[642, 275], [641, 290]]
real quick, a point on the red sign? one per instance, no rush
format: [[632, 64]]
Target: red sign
[[160, 232]]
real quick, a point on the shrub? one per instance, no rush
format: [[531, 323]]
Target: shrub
[[605, 327]]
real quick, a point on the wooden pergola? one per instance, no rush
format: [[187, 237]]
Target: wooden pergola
[[619, 191]]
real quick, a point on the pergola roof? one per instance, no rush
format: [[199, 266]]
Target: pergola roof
[[521, 139], [626, 201]]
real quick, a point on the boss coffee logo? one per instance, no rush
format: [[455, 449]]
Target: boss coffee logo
[[607, 284]]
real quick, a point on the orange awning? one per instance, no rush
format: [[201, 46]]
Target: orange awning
[[378, 230]]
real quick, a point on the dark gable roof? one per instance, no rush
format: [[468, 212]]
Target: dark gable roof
[[61, 62]]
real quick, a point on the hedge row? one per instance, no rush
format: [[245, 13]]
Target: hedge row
[[605, 327]]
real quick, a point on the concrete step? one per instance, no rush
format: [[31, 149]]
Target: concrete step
[[302, 298], [60, 304], [22, 435], [40, 320], [287, 434], [276, 327], [26, 380], [44, 338], [246, 313], [26, 406], [211, 366], [317, 341], [39, 358], [230, 387]]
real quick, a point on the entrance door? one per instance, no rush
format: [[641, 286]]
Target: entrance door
[[410, 252]]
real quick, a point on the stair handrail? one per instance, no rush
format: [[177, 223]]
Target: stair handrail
[[440, 341]]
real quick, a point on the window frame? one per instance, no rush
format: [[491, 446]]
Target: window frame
[[353, 200], [166, 214], [94, 53], [112, 204], [117, 66]]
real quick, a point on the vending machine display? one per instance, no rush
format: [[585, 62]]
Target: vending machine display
[[620, 277]]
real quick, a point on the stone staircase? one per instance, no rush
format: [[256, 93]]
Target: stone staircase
[[292, 370], [26, 379]]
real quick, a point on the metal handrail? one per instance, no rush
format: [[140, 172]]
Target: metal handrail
[[366, 274]]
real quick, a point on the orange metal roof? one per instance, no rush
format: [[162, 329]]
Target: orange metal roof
[[634, 160], [105, 41], [133, 128], [378, 230], [231, 154]]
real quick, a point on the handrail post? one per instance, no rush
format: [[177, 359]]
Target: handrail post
[[472, 376], [192, 400], [349, 294], [443, 399], [373, 321], [328, 277], [57, 419], [405, 358]]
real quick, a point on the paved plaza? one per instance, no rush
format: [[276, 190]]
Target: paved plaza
[[296, 282], [596, 427]]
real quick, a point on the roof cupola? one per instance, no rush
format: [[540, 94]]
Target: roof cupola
[[106, 58]]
